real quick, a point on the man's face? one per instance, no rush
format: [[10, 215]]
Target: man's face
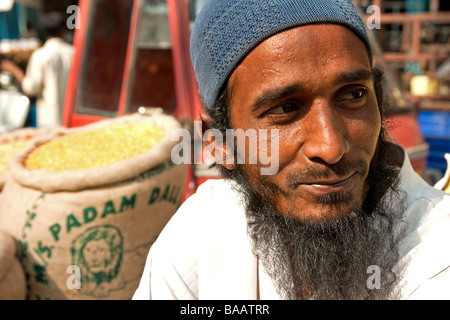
[[97, 254], [314, 84]]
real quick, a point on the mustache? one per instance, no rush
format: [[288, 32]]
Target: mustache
[[318, 172]]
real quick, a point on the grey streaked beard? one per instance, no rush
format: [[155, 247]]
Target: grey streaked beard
[[326, 260], [331, 259]]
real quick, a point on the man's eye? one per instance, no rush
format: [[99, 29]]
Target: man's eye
[[284, 109], [353, 95]]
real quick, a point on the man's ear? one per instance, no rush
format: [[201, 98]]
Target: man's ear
[[215, 144]]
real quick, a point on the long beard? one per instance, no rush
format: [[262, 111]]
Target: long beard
[[331, 259]]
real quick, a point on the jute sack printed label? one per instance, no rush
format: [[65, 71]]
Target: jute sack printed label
[[97, 241]]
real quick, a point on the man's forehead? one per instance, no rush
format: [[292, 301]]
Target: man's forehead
[[293, 43], [288, 60], [226, 30]]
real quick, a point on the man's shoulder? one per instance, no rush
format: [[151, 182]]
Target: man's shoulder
[[220, 188], [426, 204], [206, 235], [214, 206], [214, 200], [217, 193], [203, 223], [423, 202], [424, 251]]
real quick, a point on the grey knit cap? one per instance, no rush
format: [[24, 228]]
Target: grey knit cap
[[226, 30]]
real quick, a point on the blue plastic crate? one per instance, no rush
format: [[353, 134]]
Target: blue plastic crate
[[438, 148], [435, 124]]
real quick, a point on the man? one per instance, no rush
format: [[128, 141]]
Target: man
[[47, 72], [344, 216]]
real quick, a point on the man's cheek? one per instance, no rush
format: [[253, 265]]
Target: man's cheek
[[269, 151]]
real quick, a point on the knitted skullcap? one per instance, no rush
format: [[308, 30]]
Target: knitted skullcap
[[226, 30]]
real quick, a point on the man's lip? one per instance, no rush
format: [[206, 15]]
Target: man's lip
[[330, 185], [331, 182]]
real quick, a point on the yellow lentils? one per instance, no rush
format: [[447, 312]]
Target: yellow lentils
[[8, 150], [95, 148]]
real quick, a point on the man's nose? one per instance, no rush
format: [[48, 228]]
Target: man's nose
[[327, 134]]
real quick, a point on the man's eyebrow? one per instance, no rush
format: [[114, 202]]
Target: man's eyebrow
[[353, 76], [276, 94], [271, 95]]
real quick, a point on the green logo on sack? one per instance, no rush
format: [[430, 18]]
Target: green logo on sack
[[98, 252]]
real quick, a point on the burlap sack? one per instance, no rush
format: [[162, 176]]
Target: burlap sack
[[16, 135], [85, 234], [12, 276]]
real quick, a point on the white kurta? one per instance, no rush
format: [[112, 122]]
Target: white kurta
[[204, 251], [46, 78]]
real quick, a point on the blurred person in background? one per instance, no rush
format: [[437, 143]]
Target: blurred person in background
[[47, 71]]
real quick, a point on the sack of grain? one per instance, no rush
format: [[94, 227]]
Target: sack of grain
[[12, 276], [87, 203], [11, 143]]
